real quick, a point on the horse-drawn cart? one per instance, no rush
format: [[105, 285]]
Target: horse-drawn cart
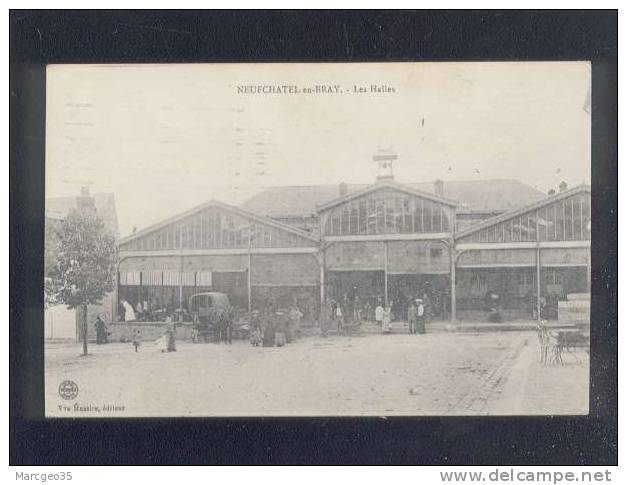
[[212, 317]]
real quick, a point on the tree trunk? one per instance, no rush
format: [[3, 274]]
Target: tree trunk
[[84, 326]]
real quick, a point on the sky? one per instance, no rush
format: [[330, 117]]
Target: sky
[[165, 138]]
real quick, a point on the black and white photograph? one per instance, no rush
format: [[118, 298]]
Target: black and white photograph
[[364, 239], [289, 237]]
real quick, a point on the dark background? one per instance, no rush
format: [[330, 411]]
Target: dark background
[[41, 37]]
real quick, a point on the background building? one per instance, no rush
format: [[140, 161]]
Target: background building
[[61, 323], [452, 243]]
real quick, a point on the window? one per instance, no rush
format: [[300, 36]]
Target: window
[[171, 277], [151, 278], [427, 217], [387, 213], [130, 278]]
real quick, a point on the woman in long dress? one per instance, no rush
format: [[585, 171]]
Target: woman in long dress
[[129, 313], [378, 315], [387, 319]]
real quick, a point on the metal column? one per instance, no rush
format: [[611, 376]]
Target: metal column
[[538, 281], [453, 284], [250, 281], [181, 286], [385, 271], [322, 263], [116, 302], [139, 298]]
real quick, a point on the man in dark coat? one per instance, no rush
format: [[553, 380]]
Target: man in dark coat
[[101, 331], [170, 338], [268, 327]]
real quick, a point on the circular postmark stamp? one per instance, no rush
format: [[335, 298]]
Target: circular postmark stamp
[[68, 390]]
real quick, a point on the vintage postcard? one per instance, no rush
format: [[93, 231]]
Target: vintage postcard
[[347, 239]]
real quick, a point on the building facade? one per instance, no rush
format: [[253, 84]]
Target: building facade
[[361, 245], [219, 247], [532, 256]]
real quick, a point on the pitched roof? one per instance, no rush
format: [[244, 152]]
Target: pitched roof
[[221, 205], [522, 210], [59, 207], [472, 195], [386, 184]]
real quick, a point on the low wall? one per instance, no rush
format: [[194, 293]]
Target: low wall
[[148, 331]]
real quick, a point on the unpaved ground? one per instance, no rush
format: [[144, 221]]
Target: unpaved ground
[[376, 375], [536, 389]]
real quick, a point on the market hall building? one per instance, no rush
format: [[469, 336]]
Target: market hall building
[[364, 244]]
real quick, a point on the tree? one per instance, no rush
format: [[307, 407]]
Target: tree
[[84, 269]]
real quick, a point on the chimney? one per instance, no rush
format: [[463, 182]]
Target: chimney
[[563, 186], [343, 189], [439, 188], [85, 202]]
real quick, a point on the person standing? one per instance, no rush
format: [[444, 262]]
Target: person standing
[[101, 331], [129, 313], [255, 329], [378, 314], [420, 317], [357, 310], [426, 302], [347, 308], [367, 312], [139, 311], [170, 335], [339, 318], [228, 327], [326, 317], [386, 324], [268, 327], [411, 317], [136, 338], [281, 326], [295, 316]]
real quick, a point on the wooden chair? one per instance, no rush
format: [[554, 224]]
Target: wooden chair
[[544, 339]]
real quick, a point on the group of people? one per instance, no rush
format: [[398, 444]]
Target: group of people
[[336, 315], [165, 343], [148, 311], [383, 317], [416, 316], [274, 327]]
